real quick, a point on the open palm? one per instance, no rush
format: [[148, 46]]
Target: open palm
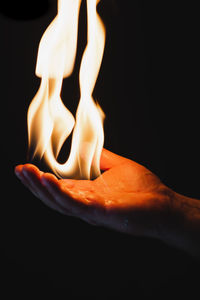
[[127, 197]]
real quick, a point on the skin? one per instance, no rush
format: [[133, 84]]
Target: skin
[[127, 197]]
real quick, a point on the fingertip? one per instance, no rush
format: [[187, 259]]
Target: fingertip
[[19, 173], [31, 168], [18, 170], [48, 178], [44, 179], [51, 183]]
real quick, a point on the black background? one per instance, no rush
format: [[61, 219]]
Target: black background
[[148, 89]]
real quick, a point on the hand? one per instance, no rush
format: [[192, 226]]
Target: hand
[[127, 197]]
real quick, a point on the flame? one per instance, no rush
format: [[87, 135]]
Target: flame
[[49, 122]]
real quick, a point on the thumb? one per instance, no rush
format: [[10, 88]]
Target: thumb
[[110, 159]]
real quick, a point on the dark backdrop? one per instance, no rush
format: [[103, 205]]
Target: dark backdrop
[[148, 88]]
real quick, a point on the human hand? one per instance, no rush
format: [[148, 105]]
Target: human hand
[[127, 197]]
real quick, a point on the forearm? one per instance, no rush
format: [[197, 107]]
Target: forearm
[[183, 229]]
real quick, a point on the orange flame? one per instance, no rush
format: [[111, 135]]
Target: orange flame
[[49, 121]]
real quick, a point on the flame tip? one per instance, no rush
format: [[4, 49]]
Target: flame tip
[[49, 122]]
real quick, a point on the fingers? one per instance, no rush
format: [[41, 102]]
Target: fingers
[[72, 194], [78, 197], [70, 197], [22, 176], [110, 159], [31, 176]]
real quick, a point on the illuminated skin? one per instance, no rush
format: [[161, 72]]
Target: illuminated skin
[[127, 197]]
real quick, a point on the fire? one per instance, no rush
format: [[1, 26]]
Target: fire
[[49, 122]]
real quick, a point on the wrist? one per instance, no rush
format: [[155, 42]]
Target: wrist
[[183, 224]]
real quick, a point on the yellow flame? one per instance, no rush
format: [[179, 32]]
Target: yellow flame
[[49, 121]]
